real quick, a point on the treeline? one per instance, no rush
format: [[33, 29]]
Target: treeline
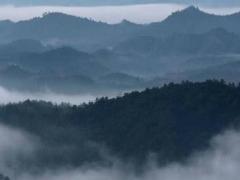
[[172, 122]]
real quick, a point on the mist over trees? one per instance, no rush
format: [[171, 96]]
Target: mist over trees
[[171, 122], [166, 117]]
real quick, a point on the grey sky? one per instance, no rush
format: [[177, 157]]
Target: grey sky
[[117, 2]]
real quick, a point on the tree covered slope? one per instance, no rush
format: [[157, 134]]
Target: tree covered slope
[[172, 122]]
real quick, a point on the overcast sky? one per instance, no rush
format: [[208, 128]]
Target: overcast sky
[[114, 2]]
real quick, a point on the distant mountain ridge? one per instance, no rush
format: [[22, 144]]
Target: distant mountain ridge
[[193, 20], [61, 51], [216, 41], [23, 46], [88, 34]]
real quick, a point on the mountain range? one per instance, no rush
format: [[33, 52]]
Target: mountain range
[[152, 115], [152, 118], [58, 28], [61, 52]]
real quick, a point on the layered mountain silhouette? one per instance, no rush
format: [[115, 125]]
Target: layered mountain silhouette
[[193, 20], [69, 55], [227, 71], [58, 28], [64, 60], [23, 46], [215, 41], [60, 51], [63, 70]]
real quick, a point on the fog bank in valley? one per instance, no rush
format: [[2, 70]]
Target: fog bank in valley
[[15, 147], [220, 162], [8, 96]]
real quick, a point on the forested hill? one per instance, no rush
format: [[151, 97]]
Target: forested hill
[[173, 121]]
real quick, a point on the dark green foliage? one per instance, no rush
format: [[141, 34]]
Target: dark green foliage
[[173, 121]]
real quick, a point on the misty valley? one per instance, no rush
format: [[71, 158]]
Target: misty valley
[[86, 100]]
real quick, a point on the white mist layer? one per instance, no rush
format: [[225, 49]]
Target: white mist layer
[[220, 162], [15, 146], [144, 13], [7, 96]]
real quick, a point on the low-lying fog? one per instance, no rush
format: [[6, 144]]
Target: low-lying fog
[[7, 96], [220, 162]]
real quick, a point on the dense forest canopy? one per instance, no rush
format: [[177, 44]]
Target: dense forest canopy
[[172, 122]]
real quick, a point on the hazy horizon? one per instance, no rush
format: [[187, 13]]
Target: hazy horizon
[[109, 14]]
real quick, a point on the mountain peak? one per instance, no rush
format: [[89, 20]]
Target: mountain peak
[[124, 21], [67, 18], [59, 15], [188, 14], [54, 14], [192, 9]]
